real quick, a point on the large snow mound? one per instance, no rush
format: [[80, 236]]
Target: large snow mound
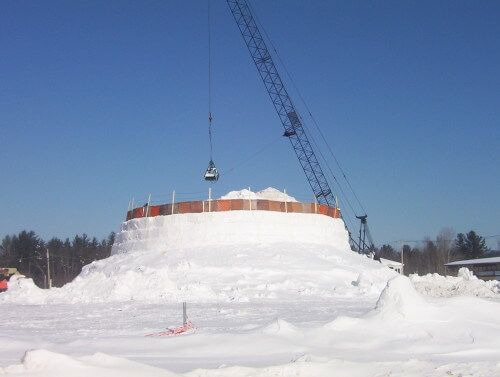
[[447, 286], [269, 193], [223, 256], [254, 272]]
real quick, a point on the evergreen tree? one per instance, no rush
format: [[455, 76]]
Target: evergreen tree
[[471, 245]]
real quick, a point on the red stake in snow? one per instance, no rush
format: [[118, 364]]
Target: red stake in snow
[[174, 331], [187, 325]]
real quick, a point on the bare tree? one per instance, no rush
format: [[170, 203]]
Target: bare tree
[[444, 243]]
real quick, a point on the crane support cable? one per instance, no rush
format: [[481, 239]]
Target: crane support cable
[[304, 103], [346, 198], [251, 156]]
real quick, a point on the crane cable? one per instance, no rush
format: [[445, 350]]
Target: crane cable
[[209, 82], [312, 118], [256, 152], [321, 134]]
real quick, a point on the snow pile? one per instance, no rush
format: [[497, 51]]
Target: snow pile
[[269, 193], [464, 284], [20, 286], [242, 273], [400, 299], [223, 257]]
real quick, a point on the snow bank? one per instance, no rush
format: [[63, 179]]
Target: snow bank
[[269, 193], [464, 284]]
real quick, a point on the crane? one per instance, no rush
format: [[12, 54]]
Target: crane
[[286, 110], [281, 100], [364, 232]]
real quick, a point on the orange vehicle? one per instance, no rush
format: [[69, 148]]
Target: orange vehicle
[[5, 274]]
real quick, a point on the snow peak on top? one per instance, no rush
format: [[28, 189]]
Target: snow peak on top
[[269, 193]]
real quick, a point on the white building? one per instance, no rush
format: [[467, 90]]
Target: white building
[[396, 266], [483, 268]]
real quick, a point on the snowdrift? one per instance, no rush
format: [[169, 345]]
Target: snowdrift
[[43, 363], [405, 318]]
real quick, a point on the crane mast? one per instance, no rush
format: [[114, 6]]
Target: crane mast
[[282, 102]]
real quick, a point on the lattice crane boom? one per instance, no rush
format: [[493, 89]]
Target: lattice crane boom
[[282, 102]]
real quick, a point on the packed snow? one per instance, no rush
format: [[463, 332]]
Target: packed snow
[[270, 294], [269, 193]]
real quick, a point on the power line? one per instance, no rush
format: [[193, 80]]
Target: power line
[[429, 239]]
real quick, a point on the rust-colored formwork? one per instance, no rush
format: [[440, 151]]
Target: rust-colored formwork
[[154, 211], [224, 205]]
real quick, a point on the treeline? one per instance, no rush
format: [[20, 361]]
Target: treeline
[[27, 252], [430, 256]]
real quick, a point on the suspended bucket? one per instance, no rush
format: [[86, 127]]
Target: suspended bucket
[[212, 174]]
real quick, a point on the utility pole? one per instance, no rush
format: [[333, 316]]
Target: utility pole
[[402, 260], [49, 280]]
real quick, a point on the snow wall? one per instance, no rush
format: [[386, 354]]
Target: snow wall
[[198, 230]]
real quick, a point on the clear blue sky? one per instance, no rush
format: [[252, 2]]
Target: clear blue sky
[[101, 101]]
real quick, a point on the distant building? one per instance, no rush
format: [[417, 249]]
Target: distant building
[[396, 266], [483, 268]]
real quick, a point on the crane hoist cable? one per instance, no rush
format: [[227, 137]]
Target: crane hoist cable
[[211, 174]]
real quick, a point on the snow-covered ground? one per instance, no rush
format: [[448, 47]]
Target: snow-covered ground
[[270, 294]]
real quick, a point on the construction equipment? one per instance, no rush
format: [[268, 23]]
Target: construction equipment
[[5, 275], [283, 104], [211, 174], [364, 232]]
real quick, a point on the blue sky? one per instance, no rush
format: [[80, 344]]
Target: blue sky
[[104, 101]]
